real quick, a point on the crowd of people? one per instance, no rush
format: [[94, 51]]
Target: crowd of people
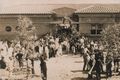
[[97, 56], [99, 59], [16, 54], [32, 54]]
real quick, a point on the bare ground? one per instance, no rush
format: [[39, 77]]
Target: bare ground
[[66, 67]]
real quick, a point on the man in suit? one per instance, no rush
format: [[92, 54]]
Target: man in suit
[[19, 56], [109, 60], [2, 63], [43, 67], [98, 64]]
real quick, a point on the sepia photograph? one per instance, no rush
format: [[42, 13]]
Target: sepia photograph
[[59, 39]]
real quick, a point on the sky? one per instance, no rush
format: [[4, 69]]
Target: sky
[[4, 3]]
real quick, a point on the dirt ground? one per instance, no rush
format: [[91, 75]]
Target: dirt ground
[[66, 67]]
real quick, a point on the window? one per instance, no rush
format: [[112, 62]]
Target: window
[[93, 29], [117, 19], [77, 28], [96, 28], [8, 28], [99, 28]]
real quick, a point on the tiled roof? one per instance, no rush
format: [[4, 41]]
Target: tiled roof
[[98, 9], [37, 8], [49, 8], [27, 10]]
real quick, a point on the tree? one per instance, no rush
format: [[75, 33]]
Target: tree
[[25, 28], [26, 32], [111, 37]]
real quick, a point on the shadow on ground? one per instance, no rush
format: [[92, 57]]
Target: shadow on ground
[[78, 61], [75, 71], [78, 78], [81, 78], [76, 56]]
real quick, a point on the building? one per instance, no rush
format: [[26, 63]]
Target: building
[[88, 19], [93, 19]]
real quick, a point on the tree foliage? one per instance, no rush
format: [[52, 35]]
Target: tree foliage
[[25, 28], [111, 37]]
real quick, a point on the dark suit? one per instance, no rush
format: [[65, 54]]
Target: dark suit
[[109, 66], [43, 68], [2, 64], [98, 64], [19, 58]]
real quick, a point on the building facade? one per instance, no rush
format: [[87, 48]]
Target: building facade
[[90, 20], [94, 19]]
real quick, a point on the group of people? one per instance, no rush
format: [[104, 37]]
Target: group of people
[[32, 54], [17, 54], [98, 59]]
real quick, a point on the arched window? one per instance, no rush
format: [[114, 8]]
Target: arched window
[[8, 29]]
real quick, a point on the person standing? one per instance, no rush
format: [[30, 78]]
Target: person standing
[[10, 66], [56, 45], [36, 61], [41, 49], [91, 65], [109, 65], [59, 51], [86, 58], [52, 50], [47, 52], [73, 49], [2, 63], [116, 61], [98, 65], [19, 56], [9, 55], [43, 67]]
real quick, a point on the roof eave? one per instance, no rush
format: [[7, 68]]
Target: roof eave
[[25, 13], [97, 12]]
